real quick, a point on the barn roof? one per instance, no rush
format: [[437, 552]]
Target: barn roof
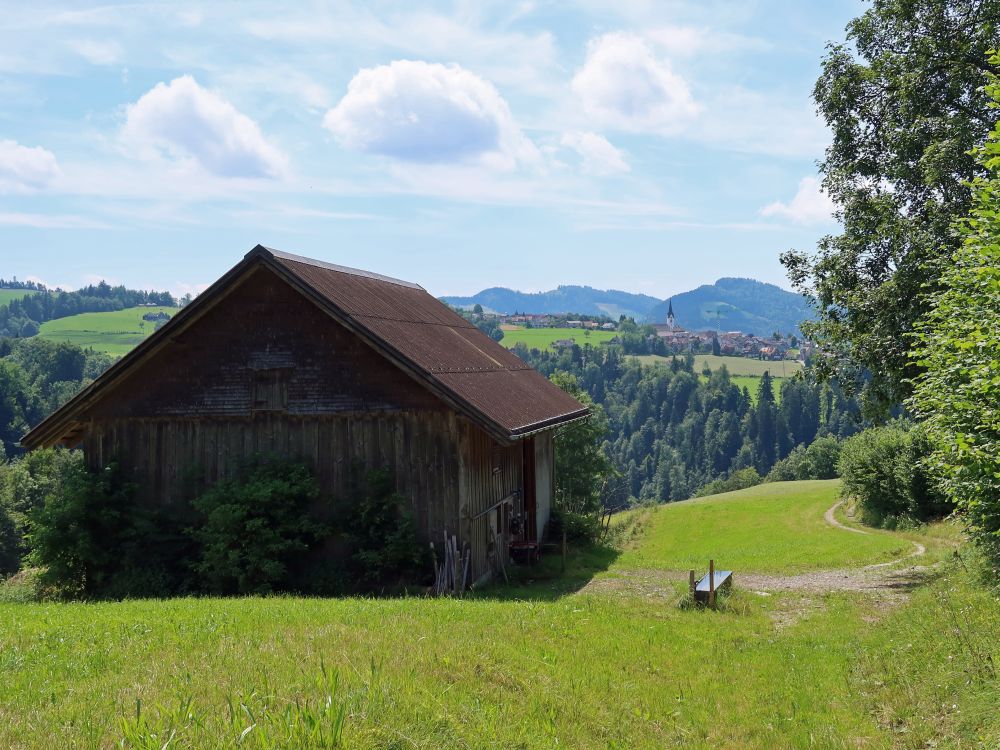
[[412, 329]]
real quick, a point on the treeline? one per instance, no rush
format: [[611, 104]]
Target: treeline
[[36, 377], [31, 286], [22, 318], [672, 430]]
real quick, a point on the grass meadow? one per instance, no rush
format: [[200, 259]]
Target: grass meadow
[[776, 527], [7, 295], [736, 365], [546, 662], [744, 372], [544, 338], [114, 333]]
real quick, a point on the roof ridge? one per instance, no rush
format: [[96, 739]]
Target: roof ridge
[[262, 250]]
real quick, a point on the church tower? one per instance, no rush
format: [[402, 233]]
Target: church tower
[[670, 314]]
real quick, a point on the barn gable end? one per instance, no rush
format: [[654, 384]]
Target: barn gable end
[[343, 370]]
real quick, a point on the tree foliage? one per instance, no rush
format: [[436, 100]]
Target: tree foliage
[[670, 431], [904, 100], [958, 346], [382, 534], [254, 528], [89, 537], [817, 461], [36, 377], [882, 468], [582, 468]]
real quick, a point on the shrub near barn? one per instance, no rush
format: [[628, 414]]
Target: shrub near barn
[[268, 529]]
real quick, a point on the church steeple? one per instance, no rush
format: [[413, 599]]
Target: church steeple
[[670, 314]]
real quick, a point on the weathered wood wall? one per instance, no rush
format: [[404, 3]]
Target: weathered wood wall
[[171, 459], [264, 335], [266, 372], [490, 473], [545, 480]]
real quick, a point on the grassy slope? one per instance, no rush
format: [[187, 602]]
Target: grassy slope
[[543, 338], [545, 669], [743, 372], [112, 332], [6, 295], [771, 528], [735, 365]]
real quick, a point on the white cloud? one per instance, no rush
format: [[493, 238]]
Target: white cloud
[[599, 156], [809, 206], [24, 168], [508, 57], [97, 53], [190, 123], [685, 41], [426, 112], [50, 221], [180, 288], [623, 85], [758, 122]]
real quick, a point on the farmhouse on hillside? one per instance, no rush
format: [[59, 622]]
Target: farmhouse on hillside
[[338, 368]]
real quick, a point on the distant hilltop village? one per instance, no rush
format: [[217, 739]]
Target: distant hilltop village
[[732, 343], [673, 336]]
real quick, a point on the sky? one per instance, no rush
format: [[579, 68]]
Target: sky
[[643, 145]]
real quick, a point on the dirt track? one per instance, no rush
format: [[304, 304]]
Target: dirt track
[[885, 577]]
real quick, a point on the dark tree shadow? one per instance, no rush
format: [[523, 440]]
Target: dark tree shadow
[[548, 579]]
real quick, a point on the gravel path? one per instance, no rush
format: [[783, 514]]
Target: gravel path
[[881, 577]]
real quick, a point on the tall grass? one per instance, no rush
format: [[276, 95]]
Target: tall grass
[[776, 527], [535, 666]]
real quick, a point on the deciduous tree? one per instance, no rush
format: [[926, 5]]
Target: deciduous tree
[[904, 100]]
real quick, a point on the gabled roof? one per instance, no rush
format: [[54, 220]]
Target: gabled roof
[[409, 327]]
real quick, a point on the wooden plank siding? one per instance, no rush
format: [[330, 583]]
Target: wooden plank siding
[[545, 481], [451, 471], [266, 372], [490, 473]]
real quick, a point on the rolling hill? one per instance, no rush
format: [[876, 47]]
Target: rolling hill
[[728, 305], [563, 299], [115, 333], [736, 305]]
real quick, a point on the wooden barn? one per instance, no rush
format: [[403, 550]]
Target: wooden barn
[[338, 368]]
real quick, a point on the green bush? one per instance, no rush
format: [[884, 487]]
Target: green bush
[[817, 461], [738, 480], [579, 527], [254, 530], [25, 483], [10, 543], [958, 348], [882, 468], [92, 541], [382, 536]]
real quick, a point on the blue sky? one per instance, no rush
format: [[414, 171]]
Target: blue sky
[[643, 145]]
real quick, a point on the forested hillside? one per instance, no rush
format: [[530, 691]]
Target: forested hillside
[[727, 305], [737, 305], [584, 300], [36, 377], [23, 317], [672, 430]]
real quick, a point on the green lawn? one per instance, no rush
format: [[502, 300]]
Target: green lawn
[[743, 372], [111, 332], [735, 365], [543, 338], [6, 295], [771, 528], [530, 666]]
